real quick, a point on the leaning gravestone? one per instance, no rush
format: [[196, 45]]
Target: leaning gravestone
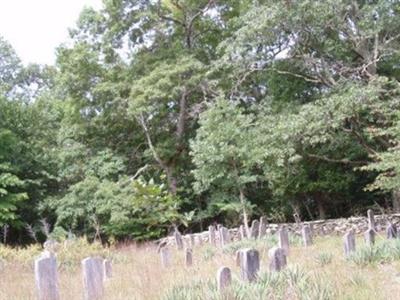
[[211, 235], [178, 239], [249, 264], [92, 278], [46, 278], [283, 237], [165, 257], [307, 235], [107, 269], [369, 236], [349, 240], [277, 259], [224, 278], [255, 226], [263, 227], [391, 231], [188, 257], [371, 219]]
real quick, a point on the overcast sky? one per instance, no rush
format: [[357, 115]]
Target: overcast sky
[[36, 27]]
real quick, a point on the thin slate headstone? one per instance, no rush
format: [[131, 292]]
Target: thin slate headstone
[[211, 235], [107, 269], [283, 239], [263, 227], [255, 226], [225, 236], [224, 278], [369, 236], [165, 256], [371, 219], [249, 264], [307, 236], [391, 231], [188, 257], [178, 240], [349, 240], [46, 278], [277, 258], [93, 278], [238, 257]]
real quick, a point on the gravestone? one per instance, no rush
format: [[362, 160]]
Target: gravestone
[[224, 278], [369, 237], [211, 235], [92, 269], [238, 258], [307, 235], [277, 259], [249, 264], [224, 236], [349, 240], [46, 278], [188, 257], [178, 239], [391, 231], [283, 239], [263, 227], [371, 219], [107, 269], [255, 226], [165, 257]]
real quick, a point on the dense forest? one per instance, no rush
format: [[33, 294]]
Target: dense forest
[[188, 112]]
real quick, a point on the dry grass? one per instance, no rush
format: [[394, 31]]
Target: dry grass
[[137, 273]]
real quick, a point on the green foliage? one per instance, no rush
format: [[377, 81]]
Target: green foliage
[[383, 251]]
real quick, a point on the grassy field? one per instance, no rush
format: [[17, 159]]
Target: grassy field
[[316, 272]]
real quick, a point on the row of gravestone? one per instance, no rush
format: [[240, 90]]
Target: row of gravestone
[[95, 271], [249, 262]]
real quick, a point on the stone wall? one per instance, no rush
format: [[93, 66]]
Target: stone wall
[[319, 227]]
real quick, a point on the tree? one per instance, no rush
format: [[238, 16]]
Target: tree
[[226, 152]]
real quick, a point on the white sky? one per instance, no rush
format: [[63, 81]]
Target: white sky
[[36, 27]]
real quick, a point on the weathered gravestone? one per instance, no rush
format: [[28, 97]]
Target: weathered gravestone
[[46, 278], [92, 278], [263, 227], [211, 235], [224, 236], [371, 219], [307, 235], [349, 240], [283, 239], [107, 269], [188, 257], [391, 231], [224, 278], [178, 240], [249, 264], [277, 259], [165, 256], [369, 236], [255, 226]]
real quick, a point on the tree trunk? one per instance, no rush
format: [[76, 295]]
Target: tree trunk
[[245, 216], [396, 201], [320, 205]]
